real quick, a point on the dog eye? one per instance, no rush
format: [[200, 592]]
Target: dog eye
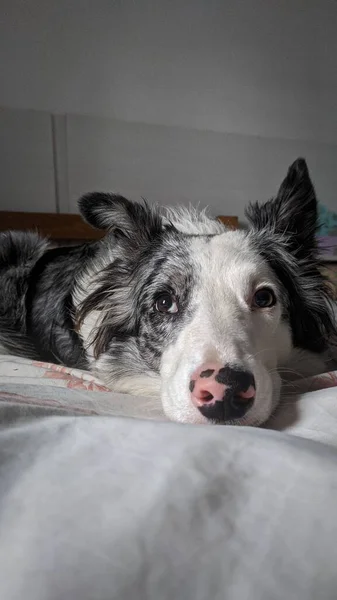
[[264, 298], [166, 303]]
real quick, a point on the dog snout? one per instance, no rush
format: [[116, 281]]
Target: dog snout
[[222, 392]]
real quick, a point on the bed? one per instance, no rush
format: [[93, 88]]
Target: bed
[[102, 499], [308, 408], [96, 506]]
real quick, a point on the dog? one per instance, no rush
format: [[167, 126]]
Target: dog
[[170, 303]]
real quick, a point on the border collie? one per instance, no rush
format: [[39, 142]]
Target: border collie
[[173, 304]]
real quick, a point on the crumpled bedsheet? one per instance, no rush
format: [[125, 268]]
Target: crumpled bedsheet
[[97, 508], [102, 506], [30, 388]]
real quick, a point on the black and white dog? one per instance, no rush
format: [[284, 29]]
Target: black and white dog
[[174, 304]]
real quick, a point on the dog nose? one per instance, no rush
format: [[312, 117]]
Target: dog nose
[[222, 393]]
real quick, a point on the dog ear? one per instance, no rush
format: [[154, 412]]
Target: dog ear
[[284, 233], [293, 212], [121, 216]]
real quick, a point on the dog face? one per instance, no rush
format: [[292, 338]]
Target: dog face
[[178, 305], [234, 326]]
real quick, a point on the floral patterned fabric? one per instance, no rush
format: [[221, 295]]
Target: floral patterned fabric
[[54, 387], [30, 388]]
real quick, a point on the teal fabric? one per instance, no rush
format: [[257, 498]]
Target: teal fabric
[[328, 222]]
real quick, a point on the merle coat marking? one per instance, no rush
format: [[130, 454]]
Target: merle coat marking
[[165, 292]]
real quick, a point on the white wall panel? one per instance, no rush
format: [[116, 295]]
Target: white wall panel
[[26, 161], [259, 67], [171, 165]]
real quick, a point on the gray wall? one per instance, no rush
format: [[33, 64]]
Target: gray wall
[[187, 100]]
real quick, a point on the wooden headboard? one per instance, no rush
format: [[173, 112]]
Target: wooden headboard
[[64, 226]]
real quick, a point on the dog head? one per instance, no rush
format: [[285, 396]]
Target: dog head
[[176, 304]]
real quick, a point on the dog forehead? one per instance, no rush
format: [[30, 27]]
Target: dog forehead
[[221, 250], [211, 260], [230, 243], [229, 256]]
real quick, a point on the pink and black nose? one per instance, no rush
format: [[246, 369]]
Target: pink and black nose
[[222, 393]]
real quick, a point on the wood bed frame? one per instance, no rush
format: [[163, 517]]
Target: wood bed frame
[[64, 226]]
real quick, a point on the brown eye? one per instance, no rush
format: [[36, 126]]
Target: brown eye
[[166, 303], [264, 298]]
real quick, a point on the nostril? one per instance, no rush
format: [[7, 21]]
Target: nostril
[[206, 396], [246, 395], [238, 403], [241, 400]]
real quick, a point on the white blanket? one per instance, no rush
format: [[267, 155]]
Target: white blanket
[[118, 508], [122, 509]]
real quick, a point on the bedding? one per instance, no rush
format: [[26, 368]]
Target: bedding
[[97, 508], [27, 388], [101, 502], [30, 387]]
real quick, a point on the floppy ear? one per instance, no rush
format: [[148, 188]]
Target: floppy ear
[[292, 212], [119, 215]]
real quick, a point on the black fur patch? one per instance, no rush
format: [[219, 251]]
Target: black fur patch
[[36, 313], [121, 216], [49, 310], [284, 233]]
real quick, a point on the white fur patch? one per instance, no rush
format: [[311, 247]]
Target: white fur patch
[[192, 221]]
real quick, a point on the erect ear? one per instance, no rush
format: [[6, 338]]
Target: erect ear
[[116, 213], [293, 212]]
